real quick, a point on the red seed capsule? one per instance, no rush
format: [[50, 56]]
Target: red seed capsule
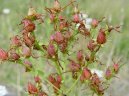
[[94, 23], [91, 45], [68, 35], [14, 56], [62, 25], [95, 79], [51, 50], [28, 25], [16, 41], [116, 67], [3, 55], [63, 47], [52, 37], [76, 18], [61, 18], [86, 74], [80, 56], [32, 88], [58, 37], [37, 79], [51, 79], [108, 74], [26, 51], [74, 66], [29, 39], [101, 38], [59, 79]]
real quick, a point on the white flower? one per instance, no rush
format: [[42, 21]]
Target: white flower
[[3, 90], [88, 21], [98, 72], [6, 11]]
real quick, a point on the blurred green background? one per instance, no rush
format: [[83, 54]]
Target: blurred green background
[[116, 11]]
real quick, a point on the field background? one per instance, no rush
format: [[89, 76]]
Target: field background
[[117, 11]]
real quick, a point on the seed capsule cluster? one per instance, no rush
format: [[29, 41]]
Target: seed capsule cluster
[[59, 50]]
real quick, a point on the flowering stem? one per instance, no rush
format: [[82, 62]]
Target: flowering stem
[[58, 67], [74, 84]]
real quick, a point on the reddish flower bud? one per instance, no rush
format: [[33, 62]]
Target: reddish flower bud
[[28, 42], [56, 81], [26, 51], [86, 74], [61, 18], [116, 67], [76, 18], [28, 25], [68, 35], [101, 38], [51, 79], [16, 41], [95, 79], [37, 79], [63, 47], [3, 55], [80, 55], [14, 56], [51, 50], [108, 74], [91, 45], [94, 23], [57, 6], [51, 37], [32, 88], [58, 37], [59, 79], [29, 39], [62, 25], [74, 66]]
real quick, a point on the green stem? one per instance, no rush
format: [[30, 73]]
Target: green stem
[[58, 67], [74, 84]]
